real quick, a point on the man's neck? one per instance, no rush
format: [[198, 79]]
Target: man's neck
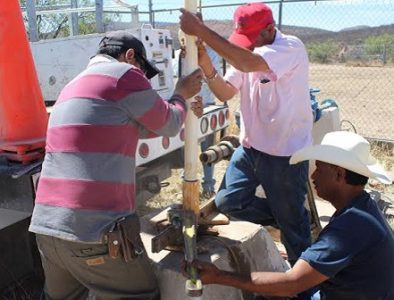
[[346, 195]]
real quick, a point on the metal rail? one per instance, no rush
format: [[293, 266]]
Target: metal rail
[[32, 11]]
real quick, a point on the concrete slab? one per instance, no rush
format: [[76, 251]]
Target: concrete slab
[[240, 247]]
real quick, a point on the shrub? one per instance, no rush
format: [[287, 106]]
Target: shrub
[[322, 52]]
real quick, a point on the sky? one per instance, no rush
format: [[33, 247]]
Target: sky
[[329, 15]]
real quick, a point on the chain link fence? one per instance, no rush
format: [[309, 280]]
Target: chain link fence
[[350, 43], [350, 46]]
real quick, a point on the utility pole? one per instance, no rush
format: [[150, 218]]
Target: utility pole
[[151, 13]]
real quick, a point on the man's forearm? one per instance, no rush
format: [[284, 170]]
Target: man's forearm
[[240, 58], [222, 89], [266, 283]]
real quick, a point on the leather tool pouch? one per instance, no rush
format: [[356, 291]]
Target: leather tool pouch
[[114, 242], [131, 244]]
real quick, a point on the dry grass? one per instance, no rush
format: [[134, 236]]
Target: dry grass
[[384, 153]]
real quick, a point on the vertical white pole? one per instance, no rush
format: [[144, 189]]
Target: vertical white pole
[[191, 184]]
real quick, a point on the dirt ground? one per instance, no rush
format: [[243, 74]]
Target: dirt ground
[[365, 96]]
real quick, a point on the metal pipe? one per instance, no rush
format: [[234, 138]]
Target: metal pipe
[[110, 9], [99, 16], [32, 20], [241, 3], [280, 15], [223, 150], [150, 12], [193, 285], [216, 153], [74, 19]]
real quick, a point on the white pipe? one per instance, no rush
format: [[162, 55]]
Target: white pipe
[[191, 124]]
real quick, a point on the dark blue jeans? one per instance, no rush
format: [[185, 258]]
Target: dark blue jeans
[[208, 183], [285, 189]]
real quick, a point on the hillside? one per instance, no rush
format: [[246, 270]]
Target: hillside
[[352, 36]]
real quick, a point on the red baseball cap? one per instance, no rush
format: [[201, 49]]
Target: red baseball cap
[[249, 20]]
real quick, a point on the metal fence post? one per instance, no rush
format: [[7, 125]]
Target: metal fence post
[[32, 20], [151, 21], [99, 16], [280, 15], [74, 19], [384, 54]]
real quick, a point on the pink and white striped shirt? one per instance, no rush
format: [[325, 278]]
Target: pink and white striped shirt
[[88, 174]]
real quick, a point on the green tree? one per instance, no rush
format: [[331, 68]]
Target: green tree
[[382, 45], [57, 24], [322, 52]]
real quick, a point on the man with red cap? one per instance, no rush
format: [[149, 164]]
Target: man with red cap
[[271, 73]]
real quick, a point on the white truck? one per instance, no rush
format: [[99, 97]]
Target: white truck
[[60, 60]]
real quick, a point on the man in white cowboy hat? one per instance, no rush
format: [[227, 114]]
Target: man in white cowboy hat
[[353, 257]]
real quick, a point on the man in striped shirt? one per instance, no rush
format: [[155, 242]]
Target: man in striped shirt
[[87, 181]]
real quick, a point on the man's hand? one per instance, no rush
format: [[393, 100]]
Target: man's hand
[[208, 272], [189, 85], [190, 23], [197, 106], [204, 61]]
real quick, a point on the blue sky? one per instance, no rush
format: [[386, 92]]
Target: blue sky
[[330, 15]]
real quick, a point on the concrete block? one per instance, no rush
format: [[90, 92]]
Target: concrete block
[[240, 247]]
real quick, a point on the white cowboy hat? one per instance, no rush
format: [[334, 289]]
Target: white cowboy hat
[[347, 150]]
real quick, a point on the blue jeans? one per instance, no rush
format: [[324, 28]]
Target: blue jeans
[[285, 189], [208, 183], [303, 296]]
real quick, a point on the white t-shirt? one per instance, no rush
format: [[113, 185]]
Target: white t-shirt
[[276, 115]]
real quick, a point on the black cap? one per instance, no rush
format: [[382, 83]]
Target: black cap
[[127, 40]]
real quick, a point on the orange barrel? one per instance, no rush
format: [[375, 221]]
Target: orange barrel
[[23, 117]]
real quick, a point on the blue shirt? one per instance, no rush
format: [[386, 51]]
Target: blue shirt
[[356, 250]]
